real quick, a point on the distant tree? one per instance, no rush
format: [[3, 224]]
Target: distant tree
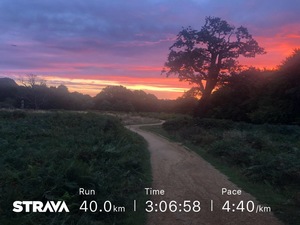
[[116, 98], [62, 89], [119, 98], [34, 94], [8, 88], [185, 104], [8, 93], [202, 57], [143, 102], [32, 80], [36, 90], [290, 69]]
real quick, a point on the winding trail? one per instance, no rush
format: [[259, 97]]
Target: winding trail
[[184, 175]]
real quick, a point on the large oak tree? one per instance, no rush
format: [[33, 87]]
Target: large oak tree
[[202, 57]]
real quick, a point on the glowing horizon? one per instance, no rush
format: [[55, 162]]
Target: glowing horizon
[[88, 48], [163, 88]]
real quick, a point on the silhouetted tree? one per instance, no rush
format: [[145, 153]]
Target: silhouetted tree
[[36, 90], [285, 90], [116, 98], [240, 95], [8, 93], [185, 104], [32, 80], [202, 57], [144, 102], [261, 96], [292, 62]]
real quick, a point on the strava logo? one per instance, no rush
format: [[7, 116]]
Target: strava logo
[[38, 206]]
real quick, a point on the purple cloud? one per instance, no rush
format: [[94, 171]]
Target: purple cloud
[[79, 37]]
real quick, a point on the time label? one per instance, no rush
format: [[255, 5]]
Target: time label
[[173, 206]]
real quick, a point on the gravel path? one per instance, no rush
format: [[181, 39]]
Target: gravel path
[[184, 175]]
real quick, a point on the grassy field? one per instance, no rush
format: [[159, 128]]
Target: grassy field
[[49, 156], [264, 160]]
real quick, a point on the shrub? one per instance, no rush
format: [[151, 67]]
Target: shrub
[[265, 153]]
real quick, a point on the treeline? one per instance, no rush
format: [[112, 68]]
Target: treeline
[[119, 98], [261, 96], [37, 95]]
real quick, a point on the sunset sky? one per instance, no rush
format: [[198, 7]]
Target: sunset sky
[[90, 44]]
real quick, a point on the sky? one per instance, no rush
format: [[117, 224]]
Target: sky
[[90, 44]]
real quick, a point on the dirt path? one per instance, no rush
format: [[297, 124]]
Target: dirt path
[[183, 175]]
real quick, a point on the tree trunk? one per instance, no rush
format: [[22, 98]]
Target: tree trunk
[[202, 107], [203, 104]]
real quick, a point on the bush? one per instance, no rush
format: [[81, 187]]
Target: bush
[[265, 153], [177, 123], [233, 152]]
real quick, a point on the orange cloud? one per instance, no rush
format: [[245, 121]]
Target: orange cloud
[[278, 47]]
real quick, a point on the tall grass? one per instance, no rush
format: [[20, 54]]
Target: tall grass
[[49, 156], [263, 154]]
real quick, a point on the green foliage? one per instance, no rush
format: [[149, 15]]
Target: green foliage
[[179, 123], [15, 114], [233, 151], [263, 154], [48, 156], [261, 96]]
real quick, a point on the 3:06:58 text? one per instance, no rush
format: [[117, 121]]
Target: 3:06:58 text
[[173, 206]]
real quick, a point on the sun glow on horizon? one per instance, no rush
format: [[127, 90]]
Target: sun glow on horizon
[[163, 88], [160, 87]]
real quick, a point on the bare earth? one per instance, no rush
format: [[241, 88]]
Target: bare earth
[[186, 176]]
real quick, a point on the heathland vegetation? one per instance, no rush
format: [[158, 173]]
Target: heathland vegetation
[[263, 159], [49, 156]]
